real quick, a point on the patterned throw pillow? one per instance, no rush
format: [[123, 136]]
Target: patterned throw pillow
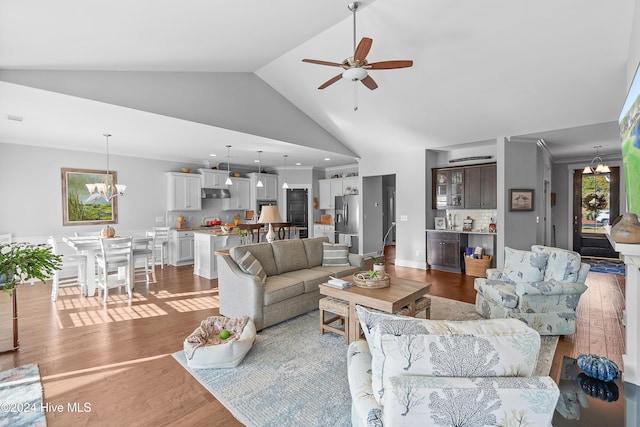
[[335, 255], [523, 266], [563, 264], [250, 265], [405, 346]]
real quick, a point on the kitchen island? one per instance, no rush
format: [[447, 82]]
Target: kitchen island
[[206, 242]]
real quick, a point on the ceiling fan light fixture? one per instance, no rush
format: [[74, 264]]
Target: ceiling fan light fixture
[[354, 74]]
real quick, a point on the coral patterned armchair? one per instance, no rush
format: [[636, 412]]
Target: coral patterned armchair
[[541, 287]]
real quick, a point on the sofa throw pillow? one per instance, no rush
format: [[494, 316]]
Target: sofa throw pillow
[[335, 255], [250, 265], [563, 264], [523, 266], [406, 346]]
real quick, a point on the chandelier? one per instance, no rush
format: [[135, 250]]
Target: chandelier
[[107, 189], [600, 166]]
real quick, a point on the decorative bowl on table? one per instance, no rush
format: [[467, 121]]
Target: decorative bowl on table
[[367, 280]]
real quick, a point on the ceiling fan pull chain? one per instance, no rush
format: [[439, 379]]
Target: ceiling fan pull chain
[[355, 96]]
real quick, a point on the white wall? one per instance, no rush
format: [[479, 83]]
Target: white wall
[[372, 215], [410, 171], [31, 188]]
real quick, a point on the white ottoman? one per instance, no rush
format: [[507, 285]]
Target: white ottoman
[[204, 349]]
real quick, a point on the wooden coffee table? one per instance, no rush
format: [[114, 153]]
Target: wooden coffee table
[[401, 293]]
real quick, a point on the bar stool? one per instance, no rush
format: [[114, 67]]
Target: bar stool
[[161, 244], [145, 252], [77, 261]]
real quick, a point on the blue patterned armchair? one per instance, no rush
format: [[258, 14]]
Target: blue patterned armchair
[[541, 287]]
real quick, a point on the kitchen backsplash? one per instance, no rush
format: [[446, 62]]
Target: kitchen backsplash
[[481, 217]]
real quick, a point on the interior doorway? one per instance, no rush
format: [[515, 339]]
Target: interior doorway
[[596, 203], [297, 212]]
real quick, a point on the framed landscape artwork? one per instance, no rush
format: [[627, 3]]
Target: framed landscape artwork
[[521, 200], [82, 207]]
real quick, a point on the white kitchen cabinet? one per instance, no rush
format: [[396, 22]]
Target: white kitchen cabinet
[[331, 188], [181, 247], [324, 230], [240, 195], [269, 189], [184, 192], [213, 178], [325, 194], [206, 243]]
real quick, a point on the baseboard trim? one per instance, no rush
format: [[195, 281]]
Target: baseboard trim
[[410, 263]]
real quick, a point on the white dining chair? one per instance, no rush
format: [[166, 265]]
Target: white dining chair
[[69, 261], [6, 238], [144, 253], [115, 253], [162, 243]]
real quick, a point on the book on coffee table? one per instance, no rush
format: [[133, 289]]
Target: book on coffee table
[[334, 282]]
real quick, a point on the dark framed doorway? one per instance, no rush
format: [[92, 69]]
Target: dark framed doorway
[[596, 203]]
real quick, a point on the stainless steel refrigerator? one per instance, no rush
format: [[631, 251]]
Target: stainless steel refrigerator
[[347, 224]]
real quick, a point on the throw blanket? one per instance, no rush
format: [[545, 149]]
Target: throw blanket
[[208, 333]]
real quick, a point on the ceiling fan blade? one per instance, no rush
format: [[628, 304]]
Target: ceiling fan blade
[[316, 61], [388, 65], [362, 50], [330, 81], [369, 82]]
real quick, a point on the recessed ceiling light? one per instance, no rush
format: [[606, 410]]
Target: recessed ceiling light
[[326, 158], [298, 164], [256, 161], [213, 155]]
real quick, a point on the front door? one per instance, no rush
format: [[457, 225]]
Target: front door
[[595, 204]]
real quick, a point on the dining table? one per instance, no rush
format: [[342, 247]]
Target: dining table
[[90, 246]]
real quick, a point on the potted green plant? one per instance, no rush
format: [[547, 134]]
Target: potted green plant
[[378, 265], [21, 262]]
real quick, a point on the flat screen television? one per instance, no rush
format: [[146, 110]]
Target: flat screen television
[[630, 134]]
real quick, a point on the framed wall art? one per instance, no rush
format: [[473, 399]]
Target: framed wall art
[[440, 223], [521, 200], [80, 206]]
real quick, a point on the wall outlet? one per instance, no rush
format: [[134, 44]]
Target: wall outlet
[[418, 253], [404, 218], [159, 219]]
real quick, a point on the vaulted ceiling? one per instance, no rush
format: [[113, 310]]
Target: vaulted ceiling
[[180, 80]]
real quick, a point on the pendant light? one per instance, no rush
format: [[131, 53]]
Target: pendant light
[[285, 185], [601, 167], [228, 181], [259, 184], [107, 189]]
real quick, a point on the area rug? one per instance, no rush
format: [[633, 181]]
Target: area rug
[[294, 376], [21, 397], [605, 265]]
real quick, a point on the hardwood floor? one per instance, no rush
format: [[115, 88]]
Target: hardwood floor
[[117, 359]]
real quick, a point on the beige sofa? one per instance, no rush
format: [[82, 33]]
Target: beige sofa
[[293, 268]]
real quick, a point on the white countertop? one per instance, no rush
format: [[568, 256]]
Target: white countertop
[[463, 232]]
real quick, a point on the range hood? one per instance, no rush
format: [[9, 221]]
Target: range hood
[[215, 193]]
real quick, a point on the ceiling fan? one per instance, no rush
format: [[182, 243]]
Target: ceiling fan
[[355, 68]]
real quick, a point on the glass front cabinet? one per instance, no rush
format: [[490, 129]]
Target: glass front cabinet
[[448, 188]]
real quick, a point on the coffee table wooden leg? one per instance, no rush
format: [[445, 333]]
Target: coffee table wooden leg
[[354, 324]]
